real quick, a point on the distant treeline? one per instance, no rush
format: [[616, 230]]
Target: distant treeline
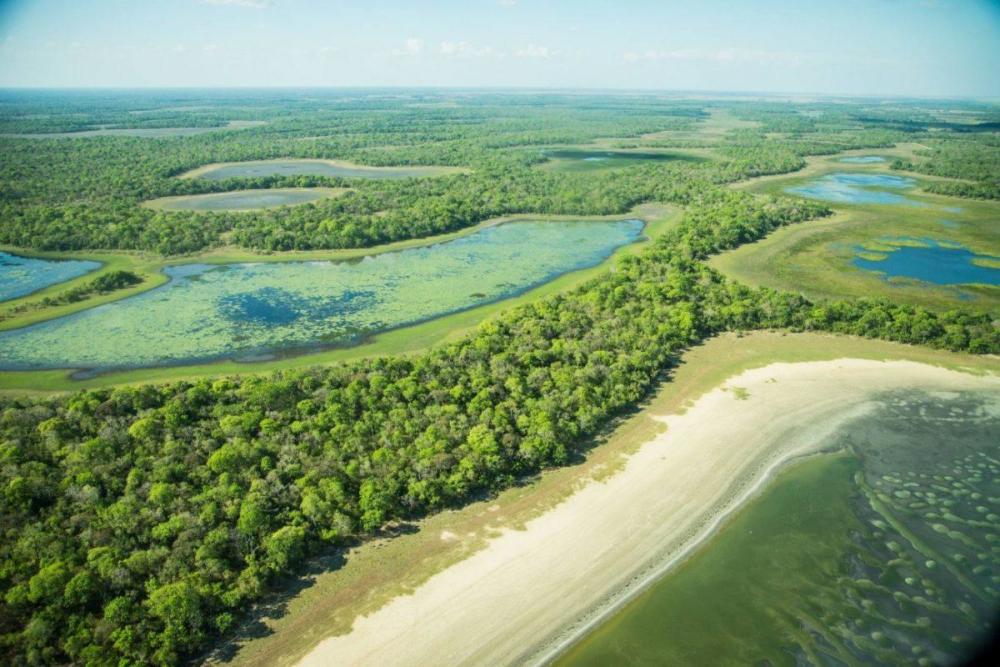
[[974, 160], [74, 194]]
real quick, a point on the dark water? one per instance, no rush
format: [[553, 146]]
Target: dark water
[[20, 276], [887, 553], [934, 264]]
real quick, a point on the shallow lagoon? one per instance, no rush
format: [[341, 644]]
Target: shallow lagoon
[[884, 554], [20, 276], [862, 159], [265, 168], [848, 188], [253, 310], [242, 200], [934, 263], [580, 159]]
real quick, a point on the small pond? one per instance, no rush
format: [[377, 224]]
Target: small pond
[[256, 310], [20, 276], [933, 262], [242, 200], [579, 159], [294, 167], [851, 188], [862, 159]]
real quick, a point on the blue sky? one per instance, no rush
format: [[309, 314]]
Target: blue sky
[[871, 47]]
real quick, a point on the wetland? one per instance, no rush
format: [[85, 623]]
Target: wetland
[[257, 310], [858, 188], [927, 260], [21, 276]]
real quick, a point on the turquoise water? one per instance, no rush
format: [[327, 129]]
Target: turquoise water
[[243, 200], [254, 310], [862, 159], [264, 168], [23, 275], [937, 264], [847, 188], [887, 553]]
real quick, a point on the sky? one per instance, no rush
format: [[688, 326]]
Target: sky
[[845, 47]]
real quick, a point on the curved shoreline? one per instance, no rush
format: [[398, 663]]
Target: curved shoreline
[[509, 602], [616, 601]]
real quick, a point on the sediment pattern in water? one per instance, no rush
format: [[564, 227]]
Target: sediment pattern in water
[[887, 553]]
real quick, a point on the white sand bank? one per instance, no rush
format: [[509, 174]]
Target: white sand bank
[[529, 593]]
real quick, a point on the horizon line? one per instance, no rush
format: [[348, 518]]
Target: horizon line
[[496, 88]]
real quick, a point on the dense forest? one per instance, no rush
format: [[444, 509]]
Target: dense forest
[[72, 194], [975, 161], [139, 523]]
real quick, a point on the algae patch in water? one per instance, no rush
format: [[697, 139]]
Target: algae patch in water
[[247, 310]]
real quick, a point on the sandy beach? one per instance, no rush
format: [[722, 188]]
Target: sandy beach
[[532, 592]]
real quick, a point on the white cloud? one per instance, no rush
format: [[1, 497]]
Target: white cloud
[[412, 47], [533, 51], [465, 50], [252, 4]]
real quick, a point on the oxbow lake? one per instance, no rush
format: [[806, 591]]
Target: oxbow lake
[[20, 276], [256, 310]]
